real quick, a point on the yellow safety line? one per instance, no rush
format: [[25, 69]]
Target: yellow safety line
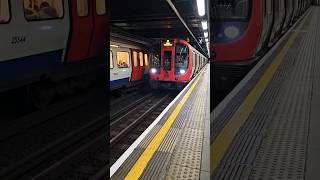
[[221, 144], [138, 168]]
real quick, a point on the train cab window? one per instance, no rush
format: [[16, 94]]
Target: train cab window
[[111, 60], [182, 57], [123, 59], [167, 57], [43, 9], [4, 11], [155, 61], [141, 58], [146, 63], [135, 58], [232, 9], [82, 8], [101, 7]]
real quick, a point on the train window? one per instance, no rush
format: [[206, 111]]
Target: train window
[[101, 7], [197, 62], [155, 61], [123, 59], [111, 60], [141, 58], [193, 59], [135, 58], [231, 9], [182, 58], [4, 11], [82, 8], [167, 56], [146, 63], [43, 9]]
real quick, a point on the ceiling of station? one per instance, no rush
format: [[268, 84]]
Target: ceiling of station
[[157, 20]]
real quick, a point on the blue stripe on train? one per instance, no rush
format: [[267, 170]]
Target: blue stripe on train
[[118, 83], [26, 66]]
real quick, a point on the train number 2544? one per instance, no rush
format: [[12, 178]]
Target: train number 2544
[[18, 39]]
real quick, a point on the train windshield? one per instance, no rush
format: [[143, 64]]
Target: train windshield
[[167, 56], [181, 59], [155, 61], [231, 9]]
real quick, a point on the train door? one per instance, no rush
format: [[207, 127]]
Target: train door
[[167, 63], [198, 63], [267, 20], [135, 75], [193, 63], [146, 64], [99, 35], [81, 30], [141, 65], [181, 59]]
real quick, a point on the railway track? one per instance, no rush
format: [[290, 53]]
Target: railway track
[[12, 127], [38, 139], [90, 160], [84, 160], [82, 152], [124, 130], [45, 155], [125, 106]]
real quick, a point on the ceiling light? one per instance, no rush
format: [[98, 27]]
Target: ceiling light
[[201, 7], [204, 25], [205, 34], [115, 46]]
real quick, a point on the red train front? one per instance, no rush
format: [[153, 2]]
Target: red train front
[[178, 64], [244, 30]]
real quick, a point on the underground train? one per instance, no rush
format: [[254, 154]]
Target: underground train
[[178, 64], [244, 30], [47, 42], [129, 64]]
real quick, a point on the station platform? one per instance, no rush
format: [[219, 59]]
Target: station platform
[[177, 144], [268, 126]]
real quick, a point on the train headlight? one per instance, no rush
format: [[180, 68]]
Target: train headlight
[[153, 70], [182, 71], [231, 32]]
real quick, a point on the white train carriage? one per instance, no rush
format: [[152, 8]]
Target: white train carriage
[[45, 41], [129, 64]]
